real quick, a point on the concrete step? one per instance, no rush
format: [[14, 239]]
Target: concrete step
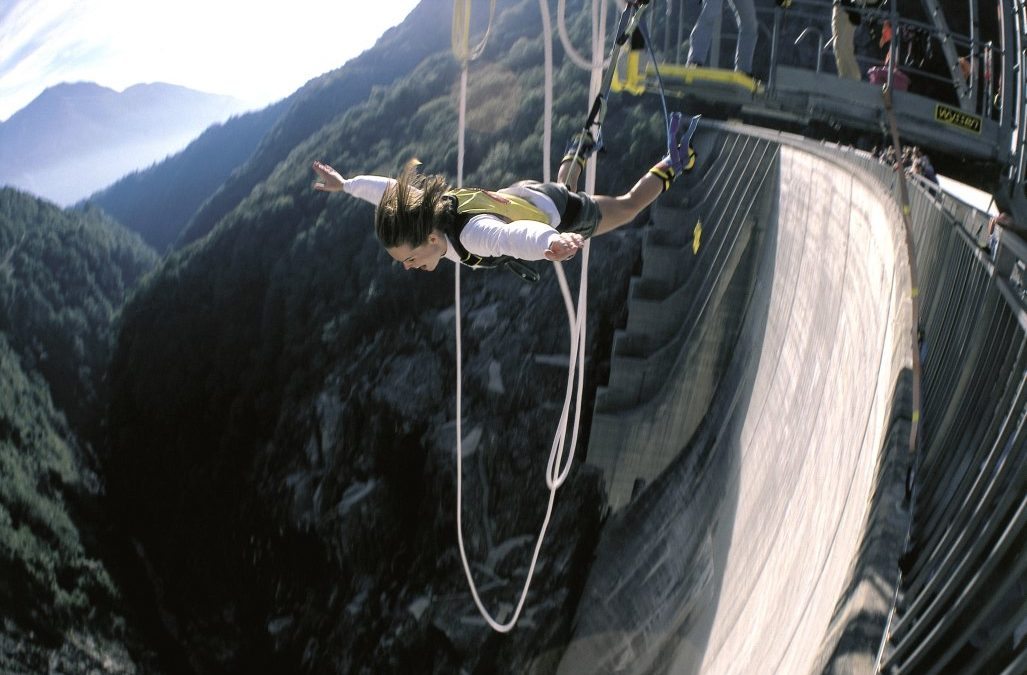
[[607, 440], [675, 227], [649, 288], [625, 383], [663, 262], [630, 344], [639, 345], [654, 318], [614, 400]]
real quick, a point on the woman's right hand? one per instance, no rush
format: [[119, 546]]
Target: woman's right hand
[[564, 246], [329, 180]]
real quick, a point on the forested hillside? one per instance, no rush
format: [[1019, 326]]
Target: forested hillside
[[158, 201], [282, 410], [63, 277]]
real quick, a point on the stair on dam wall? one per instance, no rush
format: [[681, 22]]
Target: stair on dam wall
[[677, 290]]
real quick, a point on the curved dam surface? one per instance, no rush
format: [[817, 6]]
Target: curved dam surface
[[752, 460]]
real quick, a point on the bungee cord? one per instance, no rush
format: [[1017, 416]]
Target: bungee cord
[[565, 40], [557, 469]]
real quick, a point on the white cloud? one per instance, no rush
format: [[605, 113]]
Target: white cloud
[[257, 51]]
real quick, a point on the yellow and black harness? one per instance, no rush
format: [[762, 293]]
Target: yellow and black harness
[[467, 203]]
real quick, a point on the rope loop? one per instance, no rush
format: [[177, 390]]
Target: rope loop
[[565, 40], [558, 468]]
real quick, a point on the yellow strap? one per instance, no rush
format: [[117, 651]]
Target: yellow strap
[[581, 161], [461, 28], [693, 74], [473, 201], [635, 83], [666, 176], [462, 31]]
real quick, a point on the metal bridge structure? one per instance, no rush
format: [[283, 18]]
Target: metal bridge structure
[[967, 100], [813, 433]]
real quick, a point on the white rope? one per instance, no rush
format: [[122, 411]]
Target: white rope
[[555, 475], [547, 115], [565, 40], [461, 120]]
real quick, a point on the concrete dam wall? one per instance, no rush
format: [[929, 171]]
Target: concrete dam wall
[[761, 449]]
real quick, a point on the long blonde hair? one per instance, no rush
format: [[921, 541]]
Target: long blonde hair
[[412, 208]]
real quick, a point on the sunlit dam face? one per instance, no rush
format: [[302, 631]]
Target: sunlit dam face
[[424, 257]]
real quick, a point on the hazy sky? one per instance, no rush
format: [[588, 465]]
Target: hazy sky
[[258, 50]]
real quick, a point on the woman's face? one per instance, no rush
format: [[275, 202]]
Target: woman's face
[[424, 257]]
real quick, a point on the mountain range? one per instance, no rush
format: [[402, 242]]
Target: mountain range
[[76, 138]]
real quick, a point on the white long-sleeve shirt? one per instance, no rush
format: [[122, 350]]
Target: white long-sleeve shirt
[[485, 235]]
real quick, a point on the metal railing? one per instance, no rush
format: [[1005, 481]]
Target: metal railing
[[962, 602], [983, 60], [961, 605]]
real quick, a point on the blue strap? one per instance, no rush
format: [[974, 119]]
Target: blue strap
[[631, 19], [673, 148], [673, 120], [667, 118]]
